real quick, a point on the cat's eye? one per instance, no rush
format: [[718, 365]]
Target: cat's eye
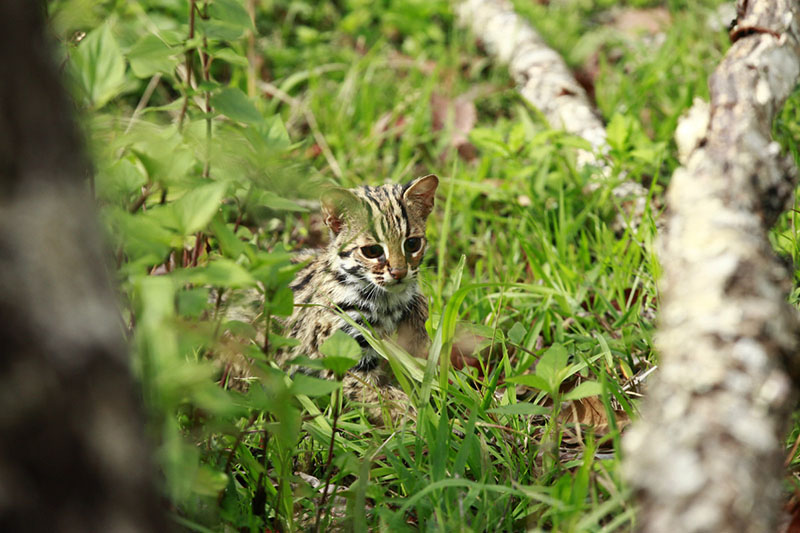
[[413, 245], [373, 251]]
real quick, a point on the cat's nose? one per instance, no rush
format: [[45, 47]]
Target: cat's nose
[[398, 273]]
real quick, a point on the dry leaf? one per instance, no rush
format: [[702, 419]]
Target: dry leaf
[[635, 22], [591, 412], [461, 115]]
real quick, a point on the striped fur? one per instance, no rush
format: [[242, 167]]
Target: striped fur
[[379, 292]]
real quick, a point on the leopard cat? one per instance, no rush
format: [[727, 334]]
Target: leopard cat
[[368, 272]]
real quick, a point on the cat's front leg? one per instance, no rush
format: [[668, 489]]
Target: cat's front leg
[[411, 334]]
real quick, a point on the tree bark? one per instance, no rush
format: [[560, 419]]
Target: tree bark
[[72, 450], [543, 77], [547, 83], [707, 453]]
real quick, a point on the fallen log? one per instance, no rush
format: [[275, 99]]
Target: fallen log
[[707, 452], [547, 83]]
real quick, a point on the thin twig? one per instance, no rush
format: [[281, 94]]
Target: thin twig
[[251, 51], [789, 457], [329, 462], [148, 92], [198, 245], [229, 462], [141, 200], [188, 65], [272, 90], [205, 61]]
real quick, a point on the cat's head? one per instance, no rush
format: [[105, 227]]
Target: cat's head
[[378, 233]]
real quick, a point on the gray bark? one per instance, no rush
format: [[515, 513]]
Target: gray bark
[[544, 79], [707, 453], [72, 450], [547, 83]]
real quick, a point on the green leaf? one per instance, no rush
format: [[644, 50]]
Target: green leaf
[[282, 302], [119, 180], [193, 302], [141, 235], [522, 408], [151, 55], [237, 328], [196, 208], [273, 201], [489, 139], [273, 131], [230, 245], [278, 341], [100, 66], [340, 344], [617, 131], [553, 361], [517, 333], [219, 30], [584, 390], [230, 56], [339, 365], [231, 12], [209, 482], [530, 380], [219, 273], [235, 105], [305, 361], [312, 387]]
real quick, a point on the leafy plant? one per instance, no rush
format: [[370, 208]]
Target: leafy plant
[[212, 126]]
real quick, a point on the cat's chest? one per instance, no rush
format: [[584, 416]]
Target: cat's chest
[[382, 311]]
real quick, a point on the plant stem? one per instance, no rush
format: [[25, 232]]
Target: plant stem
[[329, 462], [236, 444], [205, 59], [251, 51], [188, 65]]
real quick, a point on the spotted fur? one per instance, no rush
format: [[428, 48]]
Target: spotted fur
[[379, 292]]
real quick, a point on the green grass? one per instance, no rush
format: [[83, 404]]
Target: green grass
[[523, 255]]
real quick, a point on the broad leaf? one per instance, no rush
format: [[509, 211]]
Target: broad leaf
[[230, 245], [282, 302], [235, 105], [339, 365], [196, 208], [274, 133], [313, 387], [219, 273], [552, 362], [100, 66], [193, 302], [150, 55], [617, 131], [340, 344], [530, 380], [584, 390], [273, 201], [517, 333], [231, 12]]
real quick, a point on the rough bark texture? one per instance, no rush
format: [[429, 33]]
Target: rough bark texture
[[547, 83], [544, 79], [706, 455], [72, 451]]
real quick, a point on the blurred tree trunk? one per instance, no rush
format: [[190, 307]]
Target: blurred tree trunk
[[72, 450], [707, 454]]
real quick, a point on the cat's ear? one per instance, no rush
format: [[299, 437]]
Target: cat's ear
[[337, 206], [420, 194]]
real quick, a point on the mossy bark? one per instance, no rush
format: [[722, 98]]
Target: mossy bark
[[707, 453], [72, 449]]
